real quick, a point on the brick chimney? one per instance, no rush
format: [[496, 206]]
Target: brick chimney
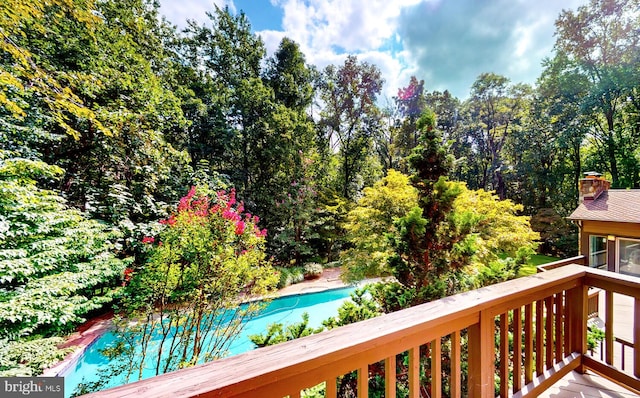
[[592, 186]]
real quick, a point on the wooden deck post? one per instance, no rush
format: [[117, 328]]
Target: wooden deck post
[[576, 318], [636, 337], [481, 357]]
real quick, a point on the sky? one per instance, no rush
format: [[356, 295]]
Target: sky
[[446, 43]]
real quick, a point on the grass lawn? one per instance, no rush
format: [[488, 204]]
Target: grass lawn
[[534, 261]]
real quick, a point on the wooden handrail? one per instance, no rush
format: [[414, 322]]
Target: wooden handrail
[[580, 260], [286, 369]]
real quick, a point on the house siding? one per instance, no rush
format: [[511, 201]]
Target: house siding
[[609, 229]]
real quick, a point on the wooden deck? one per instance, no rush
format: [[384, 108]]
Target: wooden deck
[[586, 385], [548, 312], [593, 385]]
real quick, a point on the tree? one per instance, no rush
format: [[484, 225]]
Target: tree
[[289, 76], [451, 234], [350, 117], [409, 105], [226, 58], [129, 175], [25, 75], [254, 127], [602, 39], [371, 222], [546, 152], [495, 108], [285, 192], [195, 291], [56, 266], [421, 249]]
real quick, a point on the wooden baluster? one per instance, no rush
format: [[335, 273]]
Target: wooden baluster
[[481, 352], [504, 354], [390, 379], [539, 338], [456, 368], [548, 331], [363, 382], [608, 328], [332, 388], [528, 343], [436, 368], [414, 372], [576, 314], [517, 349], [565, 326], [559, 318], [636, 337]]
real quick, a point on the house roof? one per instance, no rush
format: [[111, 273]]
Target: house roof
[[617, 205]]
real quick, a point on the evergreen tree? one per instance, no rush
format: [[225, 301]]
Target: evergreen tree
[[424, 240]]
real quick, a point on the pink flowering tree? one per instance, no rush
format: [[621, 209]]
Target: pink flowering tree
[[187, 297]]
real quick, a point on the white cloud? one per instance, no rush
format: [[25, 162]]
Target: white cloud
[[447, 43], [179, 11], [454, 42], [355, 25], [327, 29]]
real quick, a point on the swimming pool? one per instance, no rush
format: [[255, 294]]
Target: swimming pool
[[288, 309]]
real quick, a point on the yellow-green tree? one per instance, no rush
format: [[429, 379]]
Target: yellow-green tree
[[501, 239], [437, 237], [369, 224]]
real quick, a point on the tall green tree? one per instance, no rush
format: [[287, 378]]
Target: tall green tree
[[423, 248], [252, 123], [349, 118], [495, 110], [410, 102], [25, 75], [602, 39], [126, 176], [286, 193], [224, 73]]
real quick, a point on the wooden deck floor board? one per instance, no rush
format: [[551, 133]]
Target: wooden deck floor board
[[588, 385]]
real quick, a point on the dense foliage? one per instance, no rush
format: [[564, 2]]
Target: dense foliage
[[56, 266], [107, 113], [370, 224]]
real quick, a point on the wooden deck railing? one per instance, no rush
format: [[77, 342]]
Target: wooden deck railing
[[580, 260], [470, 339]]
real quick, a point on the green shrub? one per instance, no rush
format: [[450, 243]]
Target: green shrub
[[25, 358], [296, 275], [289, 276], [312, 270], [283, 275]]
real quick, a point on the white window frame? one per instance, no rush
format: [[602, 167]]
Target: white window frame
[[618, 239], [592, 253]]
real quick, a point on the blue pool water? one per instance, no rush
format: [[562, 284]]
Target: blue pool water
[[289, 309]]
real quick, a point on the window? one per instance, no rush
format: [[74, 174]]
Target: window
[[598, 251], [629, 256]]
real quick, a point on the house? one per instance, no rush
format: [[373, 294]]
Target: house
[[609, 225]]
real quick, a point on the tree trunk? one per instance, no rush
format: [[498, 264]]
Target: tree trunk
[[611, 152]]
